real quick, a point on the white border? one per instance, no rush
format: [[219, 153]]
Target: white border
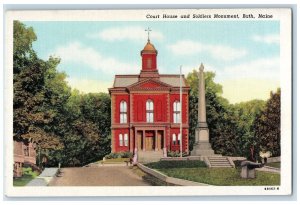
[[282, 15]]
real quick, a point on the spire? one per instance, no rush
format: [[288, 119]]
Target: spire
[[201, 99], [148, 30]]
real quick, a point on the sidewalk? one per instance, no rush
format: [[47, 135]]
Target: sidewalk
[[44, 178], [269, 169]]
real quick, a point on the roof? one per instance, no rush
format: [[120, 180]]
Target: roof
[[127, 80]]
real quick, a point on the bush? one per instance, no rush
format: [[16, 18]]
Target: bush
[[176, 164], [119, 155], [126, 154], [111, 156], [176, 154]]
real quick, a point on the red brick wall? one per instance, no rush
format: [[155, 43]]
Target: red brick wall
[[160, 107], [146, 58], [185, 139], [117, 147], [118, 99], [173, 98]]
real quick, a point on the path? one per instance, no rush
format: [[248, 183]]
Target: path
[[44, 178], [98, 176], [269, 169]]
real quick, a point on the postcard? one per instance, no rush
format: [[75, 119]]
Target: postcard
[[158, 102]]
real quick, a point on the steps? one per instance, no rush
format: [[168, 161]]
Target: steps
[[149, 156], [215, 161]]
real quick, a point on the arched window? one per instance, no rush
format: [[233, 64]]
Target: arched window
[[126, 140], [176, 112], [120, 140], [123, 112], [149, 110], [174, 139]]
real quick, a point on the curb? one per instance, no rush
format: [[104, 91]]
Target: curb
[[167, 179]]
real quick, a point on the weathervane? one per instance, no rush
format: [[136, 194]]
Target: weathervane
[[148, 30]]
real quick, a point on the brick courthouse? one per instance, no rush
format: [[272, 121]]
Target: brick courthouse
[[146, 109]]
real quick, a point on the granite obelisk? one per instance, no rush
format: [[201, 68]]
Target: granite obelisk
[[202, 146]]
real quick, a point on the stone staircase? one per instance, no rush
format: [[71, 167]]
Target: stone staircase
[[219, 161], [149, 156]]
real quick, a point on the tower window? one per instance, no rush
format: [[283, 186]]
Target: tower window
[[176, 112], [123, 112], [149, 63], [149, 111]]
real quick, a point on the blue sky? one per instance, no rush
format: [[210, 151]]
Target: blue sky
[[243, 54]]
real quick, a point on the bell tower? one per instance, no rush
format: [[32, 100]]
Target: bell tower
[[149, 62]]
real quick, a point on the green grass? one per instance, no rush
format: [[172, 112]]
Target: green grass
[[176, 164], [274, 164], [222, 176], [28, 175]]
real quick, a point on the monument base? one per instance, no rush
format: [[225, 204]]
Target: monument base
[[202, 149]]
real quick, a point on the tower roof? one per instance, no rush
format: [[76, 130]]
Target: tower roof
[[149, 48]]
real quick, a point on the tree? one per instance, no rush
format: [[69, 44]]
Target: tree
[[246, 112], [220, 118], [267, 126], [66, 126], [29, 92]]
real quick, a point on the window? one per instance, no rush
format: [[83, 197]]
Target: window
[[126, 140], [149, 111], [174, 139], [120, 140], [176, 112], [178, 139], [26, 151], [149, 62], [123, 112]]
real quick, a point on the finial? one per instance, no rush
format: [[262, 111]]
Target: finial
[[148, 30], [201, 68]]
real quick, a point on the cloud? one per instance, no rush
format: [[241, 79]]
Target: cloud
[[245, 89], [264, 68], [268, 39], [77, 53], [220, 52], [132, 33], [89, 86]]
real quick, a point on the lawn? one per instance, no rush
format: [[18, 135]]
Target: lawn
[[222, 176], [274, 164], [28, 175]]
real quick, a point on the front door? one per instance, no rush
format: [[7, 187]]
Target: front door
[[149, 143]]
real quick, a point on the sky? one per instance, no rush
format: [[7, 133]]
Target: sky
[[243, 54]]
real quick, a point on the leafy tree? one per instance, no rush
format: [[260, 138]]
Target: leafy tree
[[29, 92], [267, 126], [220, 118], [66, 126], [246, 112]]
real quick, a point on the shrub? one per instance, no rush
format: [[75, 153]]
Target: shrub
[[119, 155], [176, 154], [176, 164], [111, 156], [126, 154]]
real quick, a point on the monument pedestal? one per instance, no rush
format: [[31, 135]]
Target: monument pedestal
[[202, 147]]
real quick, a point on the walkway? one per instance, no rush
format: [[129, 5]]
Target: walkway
[[269, 169], [44, 178], [98, 176]]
